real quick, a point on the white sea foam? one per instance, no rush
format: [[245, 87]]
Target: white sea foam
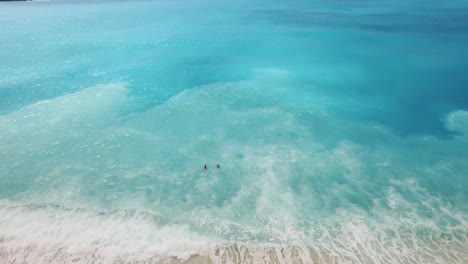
[[44, 234], [51, 234]]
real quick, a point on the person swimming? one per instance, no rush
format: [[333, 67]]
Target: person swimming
[[217, 166], [205, 167]]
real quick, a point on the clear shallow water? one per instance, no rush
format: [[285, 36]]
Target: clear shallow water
[[340, 129]]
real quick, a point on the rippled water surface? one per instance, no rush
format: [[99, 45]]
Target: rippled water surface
[[340, 128]]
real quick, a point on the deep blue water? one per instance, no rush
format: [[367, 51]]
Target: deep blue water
[[340, 128]]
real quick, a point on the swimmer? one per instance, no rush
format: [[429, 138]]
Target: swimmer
[[217, 166], [205, 167]]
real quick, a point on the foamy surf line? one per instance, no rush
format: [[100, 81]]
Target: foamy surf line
[[51, 234]]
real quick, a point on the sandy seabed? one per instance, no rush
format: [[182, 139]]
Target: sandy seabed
[[233, 254]]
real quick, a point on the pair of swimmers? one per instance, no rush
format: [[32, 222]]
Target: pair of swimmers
[[206, 167]]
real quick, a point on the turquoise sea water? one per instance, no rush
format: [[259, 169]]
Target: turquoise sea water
[[341, 129]]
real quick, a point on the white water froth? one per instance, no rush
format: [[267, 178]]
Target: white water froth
[[38, 234]]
